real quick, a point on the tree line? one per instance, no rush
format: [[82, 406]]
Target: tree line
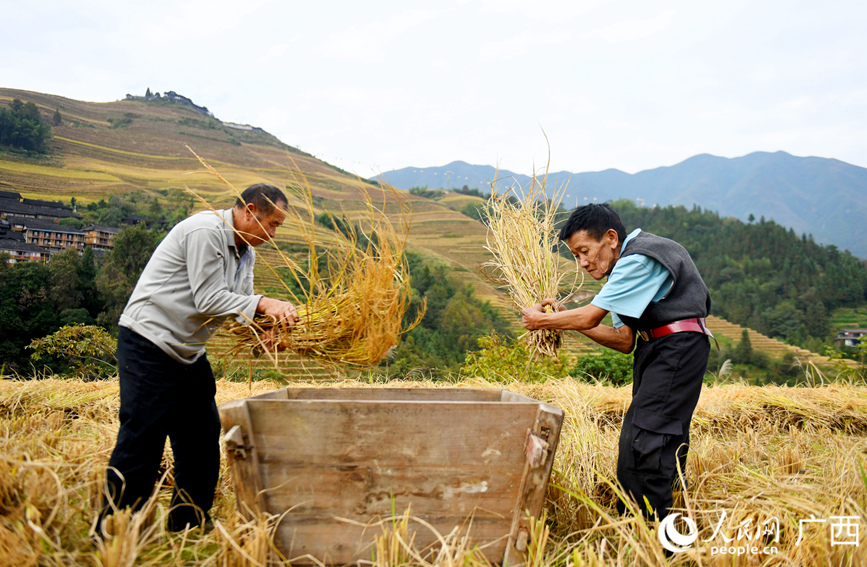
[[453, 323], [37, 299]]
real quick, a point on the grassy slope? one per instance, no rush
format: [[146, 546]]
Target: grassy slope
[[90, 160]]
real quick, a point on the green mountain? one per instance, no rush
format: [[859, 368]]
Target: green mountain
[[826, 198]]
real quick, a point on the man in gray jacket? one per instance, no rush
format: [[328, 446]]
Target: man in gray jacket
[[199, 276]]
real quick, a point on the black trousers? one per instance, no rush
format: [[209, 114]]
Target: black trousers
[[667, 379], [159, 398]]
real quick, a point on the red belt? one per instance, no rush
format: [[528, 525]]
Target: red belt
[[695, 325]]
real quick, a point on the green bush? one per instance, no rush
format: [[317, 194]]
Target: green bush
[[22, 127], [423, 191], [608, 367], [474, 210], [453, 319], [502, 360], [90, 351], [73, 222], [120, 122]]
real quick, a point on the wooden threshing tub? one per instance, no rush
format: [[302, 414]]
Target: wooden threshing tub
[[334, 462]]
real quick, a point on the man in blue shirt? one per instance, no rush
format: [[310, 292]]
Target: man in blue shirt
[[655, 291]]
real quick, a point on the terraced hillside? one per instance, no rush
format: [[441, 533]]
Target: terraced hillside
[[89, 159], [760, 342]]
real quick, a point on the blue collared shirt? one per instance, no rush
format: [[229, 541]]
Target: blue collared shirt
[[635, 282]]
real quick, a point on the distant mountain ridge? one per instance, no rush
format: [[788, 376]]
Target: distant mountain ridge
[[823, 197]]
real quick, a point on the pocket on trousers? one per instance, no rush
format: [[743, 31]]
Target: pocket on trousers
[[652, 434]]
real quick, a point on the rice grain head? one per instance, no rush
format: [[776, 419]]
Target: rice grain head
[[352, 315], [523, 244]]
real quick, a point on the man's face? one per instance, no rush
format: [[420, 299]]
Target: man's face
[[596, 256], [259, 227]]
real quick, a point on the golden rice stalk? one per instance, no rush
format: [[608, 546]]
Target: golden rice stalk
[[351, 315], [523, 244]]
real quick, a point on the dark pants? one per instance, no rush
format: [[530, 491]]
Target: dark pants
[[667, 378], [159, 398]]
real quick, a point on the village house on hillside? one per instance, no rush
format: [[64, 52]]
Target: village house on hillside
[[30, 230], [49, 234], [57, 237], [23, 252], [172, 96], [13, 243], [850, 337], [13, 204], [100, 237]]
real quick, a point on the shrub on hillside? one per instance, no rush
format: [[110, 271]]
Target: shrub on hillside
[[502, 360], [608, 367], [474, 211], [89, 350]]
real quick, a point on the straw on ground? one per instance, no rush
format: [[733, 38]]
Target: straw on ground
[[756, 454]]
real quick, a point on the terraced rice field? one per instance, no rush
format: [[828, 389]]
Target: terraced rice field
[[90, 160], [773, 347]]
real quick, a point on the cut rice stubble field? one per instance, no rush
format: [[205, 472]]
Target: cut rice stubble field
[[756, 454]]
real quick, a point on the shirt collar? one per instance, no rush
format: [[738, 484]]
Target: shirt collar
[[229, 233], [629, 237]]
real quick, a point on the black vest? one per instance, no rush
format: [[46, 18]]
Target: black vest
[[688, 296]]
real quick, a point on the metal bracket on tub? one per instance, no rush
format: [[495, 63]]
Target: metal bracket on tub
[[536, 450], [234, 440], [522, 540]]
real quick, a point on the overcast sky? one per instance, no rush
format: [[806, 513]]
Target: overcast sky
[[375, 86]]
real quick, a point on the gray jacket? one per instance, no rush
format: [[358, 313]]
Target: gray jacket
[[192, 284]]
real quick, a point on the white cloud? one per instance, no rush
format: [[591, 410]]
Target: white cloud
[[547, 10], [197, 19], [519, 45], [368, 42], [276, 51], [631, 30]]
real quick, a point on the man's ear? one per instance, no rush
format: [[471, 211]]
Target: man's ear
[[612, 237]]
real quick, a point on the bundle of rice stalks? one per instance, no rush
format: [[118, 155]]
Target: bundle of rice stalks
[[351, 296], [523, 243]]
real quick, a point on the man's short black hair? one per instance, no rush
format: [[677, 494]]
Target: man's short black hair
[[596, 219], [264, 196]]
